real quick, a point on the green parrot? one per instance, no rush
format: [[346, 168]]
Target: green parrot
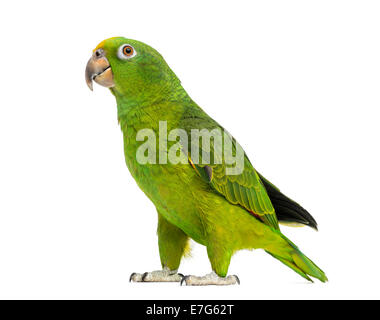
[[199, 193]]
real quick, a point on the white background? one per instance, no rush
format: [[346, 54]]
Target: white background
[[296, 82]]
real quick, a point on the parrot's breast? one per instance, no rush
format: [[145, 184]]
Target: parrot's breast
[[171, 187]]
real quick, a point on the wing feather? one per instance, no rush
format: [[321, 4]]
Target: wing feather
[[245, 189]]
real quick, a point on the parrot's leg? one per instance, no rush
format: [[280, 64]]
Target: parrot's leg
[[172, 244], [220, 260]]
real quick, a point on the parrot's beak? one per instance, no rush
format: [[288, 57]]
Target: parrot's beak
[[99, 70]]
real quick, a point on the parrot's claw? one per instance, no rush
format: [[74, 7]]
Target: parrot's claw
[[164, 275], [210, 279]]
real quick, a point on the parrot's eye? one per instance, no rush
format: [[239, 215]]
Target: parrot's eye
[[126, 51]]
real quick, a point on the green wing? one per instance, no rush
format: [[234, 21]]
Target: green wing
[[244, 189]]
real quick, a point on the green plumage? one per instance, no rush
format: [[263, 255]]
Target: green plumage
[[226, 213]]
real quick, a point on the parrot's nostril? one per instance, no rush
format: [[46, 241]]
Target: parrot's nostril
[[98, 53]]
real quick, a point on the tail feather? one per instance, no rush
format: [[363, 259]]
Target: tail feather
[[299, 263], [291, 265], [310, 268], [287, 210]]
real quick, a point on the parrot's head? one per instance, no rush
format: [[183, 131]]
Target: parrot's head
[[129, 68]]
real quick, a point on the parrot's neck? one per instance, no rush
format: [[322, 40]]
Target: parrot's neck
[[149, 107], [153, 112]]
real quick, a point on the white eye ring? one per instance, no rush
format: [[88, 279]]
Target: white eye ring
[[126, 51]]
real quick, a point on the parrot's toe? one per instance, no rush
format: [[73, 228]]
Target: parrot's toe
[[210, 279], [164, 275], [135, 277]]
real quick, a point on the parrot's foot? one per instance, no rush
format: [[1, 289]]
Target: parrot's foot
[[164, 275], [210, 279]]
